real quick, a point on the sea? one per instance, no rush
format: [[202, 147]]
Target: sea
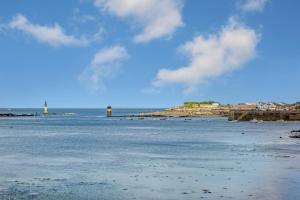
[[76, 154]]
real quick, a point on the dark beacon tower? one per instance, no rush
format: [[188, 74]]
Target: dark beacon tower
[[108, 111]]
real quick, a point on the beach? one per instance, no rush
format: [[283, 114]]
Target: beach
[[89, 156]]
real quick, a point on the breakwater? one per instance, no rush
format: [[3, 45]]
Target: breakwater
[[237, 115]]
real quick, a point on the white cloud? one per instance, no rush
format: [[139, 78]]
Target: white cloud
[[53, 35], [105, 64], [253, 5], [212, 56], [158, 18]]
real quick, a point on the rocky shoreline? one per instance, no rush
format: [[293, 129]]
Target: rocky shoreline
[[190, 112]]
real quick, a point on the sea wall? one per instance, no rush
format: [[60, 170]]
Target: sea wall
[[263, 115]]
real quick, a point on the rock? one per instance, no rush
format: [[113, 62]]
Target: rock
[[294, 134], [295, 131], [206, 191]]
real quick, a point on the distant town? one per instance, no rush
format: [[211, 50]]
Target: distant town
[[263, 106]]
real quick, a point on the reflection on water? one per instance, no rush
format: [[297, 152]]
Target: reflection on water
[[88, 156]]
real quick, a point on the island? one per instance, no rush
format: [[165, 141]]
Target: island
[[265, 111]]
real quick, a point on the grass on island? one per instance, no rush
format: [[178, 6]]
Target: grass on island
[[198, 103]]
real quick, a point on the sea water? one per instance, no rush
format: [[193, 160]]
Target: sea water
[[81, 154]]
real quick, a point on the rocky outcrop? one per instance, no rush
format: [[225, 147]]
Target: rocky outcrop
[[190, 112]]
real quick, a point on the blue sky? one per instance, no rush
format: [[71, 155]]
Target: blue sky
[[148, 53]]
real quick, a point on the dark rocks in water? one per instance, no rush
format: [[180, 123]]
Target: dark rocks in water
[[15, 115], [294, 134], [206, 191], [243, 133], [7, 115], [295, 131]]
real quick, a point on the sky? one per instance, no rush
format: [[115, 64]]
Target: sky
[[148, 53]]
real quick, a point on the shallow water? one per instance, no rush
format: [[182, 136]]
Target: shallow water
[[89, 156]]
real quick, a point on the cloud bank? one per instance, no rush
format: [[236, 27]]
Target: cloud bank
[[253, 5], [211, 56], [52, 35], [158, 18], [105, 64]]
